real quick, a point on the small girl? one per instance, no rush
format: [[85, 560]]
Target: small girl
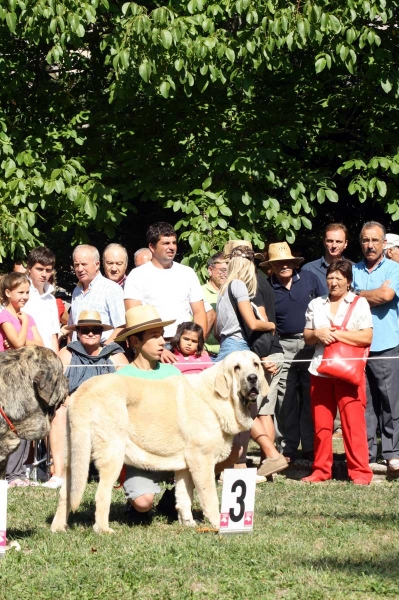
[[17, 329], [188, 345]]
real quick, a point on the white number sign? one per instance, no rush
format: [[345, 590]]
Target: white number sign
[[238, 501]]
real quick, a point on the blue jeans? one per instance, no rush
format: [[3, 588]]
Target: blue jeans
[[230, 345]]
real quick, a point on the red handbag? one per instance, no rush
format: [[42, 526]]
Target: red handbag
[[335, 361]]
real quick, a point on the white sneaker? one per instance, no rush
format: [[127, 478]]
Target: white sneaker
[[54, 483]]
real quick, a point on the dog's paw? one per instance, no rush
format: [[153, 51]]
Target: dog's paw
[[99, 529], [187, 522], [55, 528]]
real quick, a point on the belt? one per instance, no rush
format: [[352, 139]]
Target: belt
[[292, 336]]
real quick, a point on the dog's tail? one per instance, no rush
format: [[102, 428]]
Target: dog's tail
[[80, 451]]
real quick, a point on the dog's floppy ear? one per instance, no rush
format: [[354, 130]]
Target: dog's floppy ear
[[46, 382], [223, 383]]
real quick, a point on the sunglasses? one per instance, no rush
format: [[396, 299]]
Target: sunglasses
[[93, 329]]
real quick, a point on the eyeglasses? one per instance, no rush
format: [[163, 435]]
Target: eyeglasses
[[219, 270], [373, 241], [93, 329]]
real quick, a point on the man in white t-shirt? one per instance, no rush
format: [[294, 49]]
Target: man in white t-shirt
[[42, 305], [172, 288]]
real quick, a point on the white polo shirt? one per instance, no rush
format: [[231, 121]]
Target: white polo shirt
[[170, 291], [43, 310]]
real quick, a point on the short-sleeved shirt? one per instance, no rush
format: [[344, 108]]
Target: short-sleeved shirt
[[319, 267], [211, 296], [43, 309], [291, 304], [227, 324], [385, 316], [102, 295], [171, 291], [265, 297], [160, 372], [7, 317], [318, 316]]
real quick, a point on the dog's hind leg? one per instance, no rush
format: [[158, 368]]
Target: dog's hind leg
[[109, 468], [202, 469], [60, 521], [184, 497]]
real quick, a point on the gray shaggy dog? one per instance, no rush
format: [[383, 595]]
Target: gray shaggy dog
[[32, 387]]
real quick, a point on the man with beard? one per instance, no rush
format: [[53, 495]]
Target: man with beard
[[377, 279]]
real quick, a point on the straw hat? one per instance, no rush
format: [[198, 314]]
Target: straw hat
[[231, 244], [88, 317], [281, 251], [141, 318]]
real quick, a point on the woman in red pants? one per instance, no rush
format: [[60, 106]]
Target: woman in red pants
[[323, 314]]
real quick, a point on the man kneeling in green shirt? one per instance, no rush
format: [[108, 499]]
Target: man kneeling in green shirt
[[144, 332]]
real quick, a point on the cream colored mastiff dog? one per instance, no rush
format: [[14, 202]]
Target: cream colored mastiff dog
[[182, 424]]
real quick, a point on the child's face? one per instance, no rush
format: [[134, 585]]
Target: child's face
[[152, 344], [40, 274], [19, 296], [188, 342]]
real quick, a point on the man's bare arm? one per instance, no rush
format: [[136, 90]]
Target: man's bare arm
[[380, 295], [199, 314], [130, 303]]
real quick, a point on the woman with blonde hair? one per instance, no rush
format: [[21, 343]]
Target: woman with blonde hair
[[234, 311]]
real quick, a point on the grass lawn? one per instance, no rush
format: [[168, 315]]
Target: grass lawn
[[333, 540]]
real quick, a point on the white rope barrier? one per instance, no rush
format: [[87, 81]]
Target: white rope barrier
[[291, 361]]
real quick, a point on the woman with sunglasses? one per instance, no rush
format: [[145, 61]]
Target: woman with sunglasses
[[83, 359]]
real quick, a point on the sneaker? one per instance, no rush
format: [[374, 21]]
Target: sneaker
[[337, 435], [260, 479], [273, 465], [54, 483]]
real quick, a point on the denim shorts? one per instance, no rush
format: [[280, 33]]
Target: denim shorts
[[230, 345]]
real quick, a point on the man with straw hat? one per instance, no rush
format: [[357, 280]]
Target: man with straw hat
[[144, 334], [292, 293]]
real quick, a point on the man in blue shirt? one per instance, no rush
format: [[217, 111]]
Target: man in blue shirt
[[377, 279], [335, 241], [292, 294]]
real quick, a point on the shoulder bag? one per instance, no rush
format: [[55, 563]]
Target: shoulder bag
[[338, 357], [259, 342]]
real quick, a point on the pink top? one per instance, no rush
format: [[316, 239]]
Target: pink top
[[192, 364], [7, 317]]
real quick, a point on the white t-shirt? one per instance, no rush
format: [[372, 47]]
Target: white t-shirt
[[170, 291], [43, 310], [318, 316]]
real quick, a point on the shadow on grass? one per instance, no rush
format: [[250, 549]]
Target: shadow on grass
[[17, 534], [374, 519], [378, 574]]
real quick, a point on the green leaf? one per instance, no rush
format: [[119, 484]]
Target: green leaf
[[166, 38], [382, 188], [11, 20], [145, 70], [331, 195], [230, 54], [164, 89], [207, 183], [320, 64], [386, 85]]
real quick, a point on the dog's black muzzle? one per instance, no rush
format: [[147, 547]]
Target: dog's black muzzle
[[253, 390]]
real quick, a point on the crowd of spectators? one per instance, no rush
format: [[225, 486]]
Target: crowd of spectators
[[158, 320]]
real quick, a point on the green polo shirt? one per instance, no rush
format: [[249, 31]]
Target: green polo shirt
[[211, 295]]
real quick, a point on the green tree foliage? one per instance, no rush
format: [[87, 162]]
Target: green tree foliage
[[240, 117]]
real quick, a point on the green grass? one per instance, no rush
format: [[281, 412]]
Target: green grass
[[333, 540]]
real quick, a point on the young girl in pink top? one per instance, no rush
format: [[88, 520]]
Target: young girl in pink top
[[188, 345], [17, 329]]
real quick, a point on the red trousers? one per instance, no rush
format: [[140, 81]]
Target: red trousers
[[326, 393]]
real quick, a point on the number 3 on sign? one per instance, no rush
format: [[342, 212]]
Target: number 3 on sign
[[238, 501]]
